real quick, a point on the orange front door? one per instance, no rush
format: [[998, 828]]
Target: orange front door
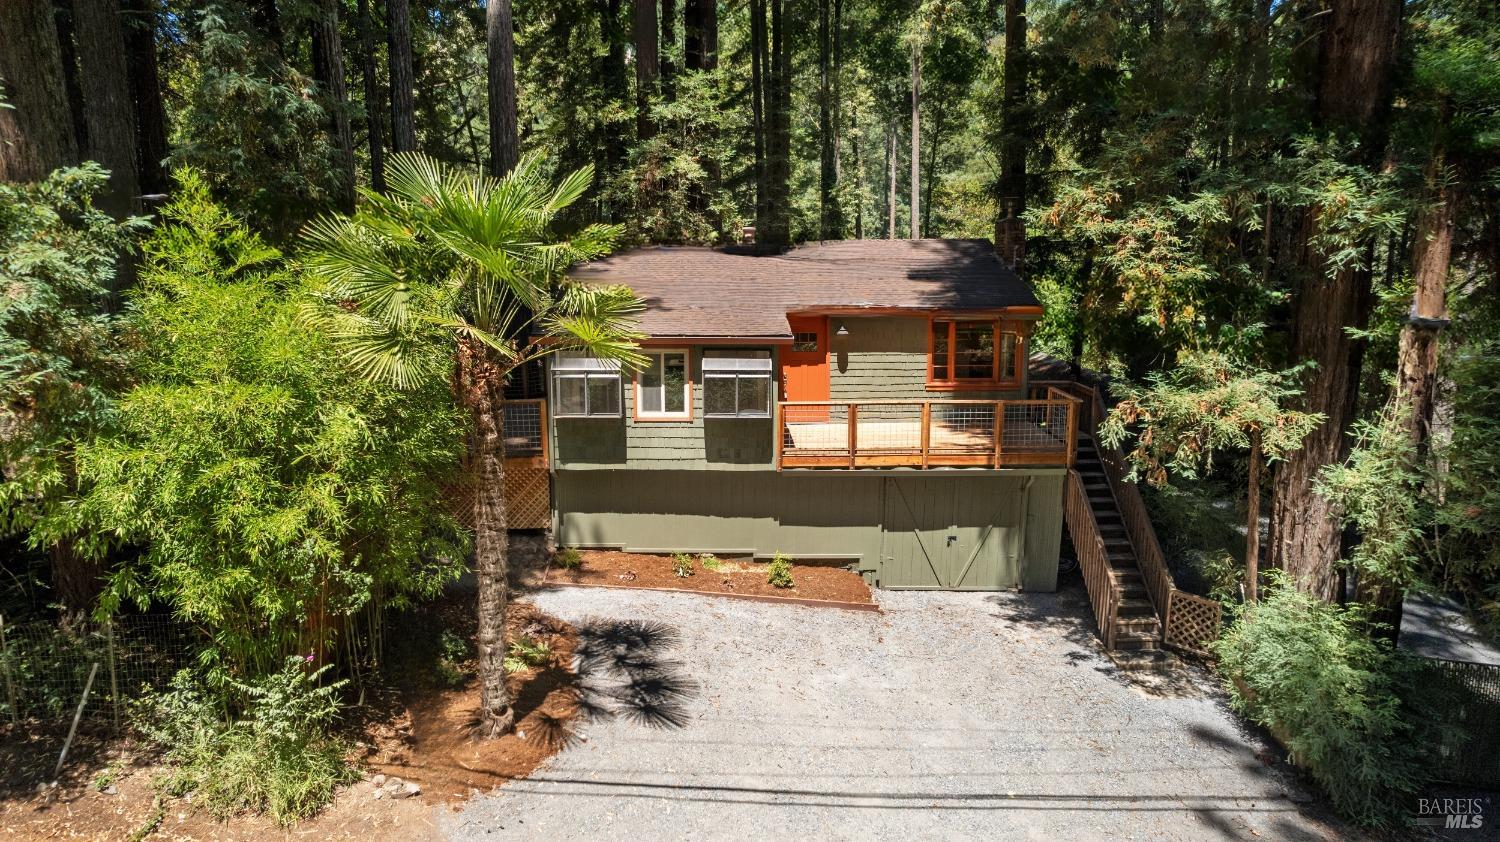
[[804, 366]]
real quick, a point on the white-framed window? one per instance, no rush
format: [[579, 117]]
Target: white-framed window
[[736, 384], [664, 387], [585, 387]]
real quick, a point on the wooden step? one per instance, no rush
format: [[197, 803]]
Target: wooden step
[[1135, 641], [1137, 606], [1146, 661], [1138, 625]]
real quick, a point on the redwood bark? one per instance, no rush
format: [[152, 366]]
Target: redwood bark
[[890, 177], [646, 67], [779, 140], [329, 68], [36, 132], [1252, 517], [109, 111], [151, 149], [1356, 64], [1417, 365], [758, 73], [373, 128], [483, 392], [403, 107], [500, 45], [916, 139], [830, 222], [668, 41], [1013, 143]]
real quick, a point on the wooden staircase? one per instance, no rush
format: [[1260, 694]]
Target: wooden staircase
[[1137, 625]]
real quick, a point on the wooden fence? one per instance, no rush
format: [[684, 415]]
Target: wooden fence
[[1103, 590], [528, 487]]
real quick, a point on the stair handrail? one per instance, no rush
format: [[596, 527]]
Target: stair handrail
[[1102, 586]]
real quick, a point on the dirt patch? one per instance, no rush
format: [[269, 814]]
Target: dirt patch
[[417, 727], [739, 576]]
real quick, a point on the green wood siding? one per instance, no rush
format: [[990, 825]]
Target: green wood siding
[[1006, 527], [717, 444]]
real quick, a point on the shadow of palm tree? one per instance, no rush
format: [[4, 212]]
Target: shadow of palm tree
[[622, 672]]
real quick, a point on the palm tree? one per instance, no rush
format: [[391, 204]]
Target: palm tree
[[456, 275]]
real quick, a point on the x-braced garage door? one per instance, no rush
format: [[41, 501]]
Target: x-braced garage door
[[950, 533]]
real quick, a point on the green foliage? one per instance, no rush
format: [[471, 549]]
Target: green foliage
[[250, 121], [1210, 402], [1379, 490], [455, 652], [710, 562], [265, 486], [275, 758], [779, 572], [60, 356], [682, 565], [453, 257], [1310, 672], [568, 558], [526, 653]]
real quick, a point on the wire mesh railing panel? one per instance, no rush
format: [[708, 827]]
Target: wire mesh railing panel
[[1036, 426], [962, 429], [889, 428], [523, 428], [815, 429]]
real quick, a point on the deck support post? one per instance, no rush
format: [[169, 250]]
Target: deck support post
[[999, 431], [853, 433], [926, 432]]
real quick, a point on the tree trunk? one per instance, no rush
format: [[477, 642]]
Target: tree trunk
[[372, 97], [36, 132], [151, 148], [779, 159], [1013, 142], [692, 34], [890, 177], [329, 66], [500, 43], [916, 139], [932, 155], [267, 20], [483, 385], [758, 72], [666, 45], [109, 112], [646, 67], [829, 221], [1356, 65], [403, 108], [1417, 366], [1080, 296], [1252, 533]]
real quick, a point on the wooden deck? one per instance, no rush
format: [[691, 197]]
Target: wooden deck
[[925, 434]]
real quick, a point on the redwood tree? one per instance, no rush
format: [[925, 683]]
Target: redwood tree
[[36, 131]]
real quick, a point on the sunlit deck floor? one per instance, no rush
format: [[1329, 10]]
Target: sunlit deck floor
[[900, 442]]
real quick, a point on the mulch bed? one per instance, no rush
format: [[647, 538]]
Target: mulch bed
[[736, 576]]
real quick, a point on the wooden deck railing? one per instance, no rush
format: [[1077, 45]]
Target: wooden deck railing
[[1188, 621], [1103, 590], [926, 434]]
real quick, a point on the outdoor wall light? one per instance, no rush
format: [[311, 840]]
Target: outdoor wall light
[[843, 330]]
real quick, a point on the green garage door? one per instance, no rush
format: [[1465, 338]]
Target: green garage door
[[949, 533]]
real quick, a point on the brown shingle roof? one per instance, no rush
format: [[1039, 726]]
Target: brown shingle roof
[[703, 292]]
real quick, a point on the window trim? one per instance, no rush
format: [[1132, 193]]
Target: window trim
[[595, 368], [687, 389], [997, 378], [767, 374]]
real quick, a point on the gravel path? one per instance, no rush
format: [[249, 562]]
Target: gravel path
[[951, 715]]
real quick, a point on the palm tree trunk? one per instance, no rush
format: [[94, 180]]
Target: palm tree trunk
[[483, 385]]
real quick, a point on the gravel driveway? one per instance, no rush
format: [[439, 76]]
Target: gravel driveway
[[951, 715]]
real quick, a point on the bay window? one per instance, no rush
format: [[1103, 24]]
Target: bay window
[[585, 387], [736, 384], [973, 354]]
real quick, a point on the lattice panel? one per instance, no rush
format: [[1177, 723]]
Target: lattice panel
[[1192, 622], [528, 499]]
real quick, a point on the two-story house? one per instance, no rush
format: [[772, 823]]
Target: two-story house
[[862, 401]]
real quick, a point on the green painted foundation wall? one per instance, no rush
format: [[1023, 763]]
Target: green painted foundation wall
[[949, 530]]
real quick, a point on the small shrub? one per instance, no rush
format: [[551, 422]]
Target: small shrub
[[682, 565], [455, 653], [526, 653], [277, 758], [710, 562], [779, 573], [568, 559], [1310, 672]]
